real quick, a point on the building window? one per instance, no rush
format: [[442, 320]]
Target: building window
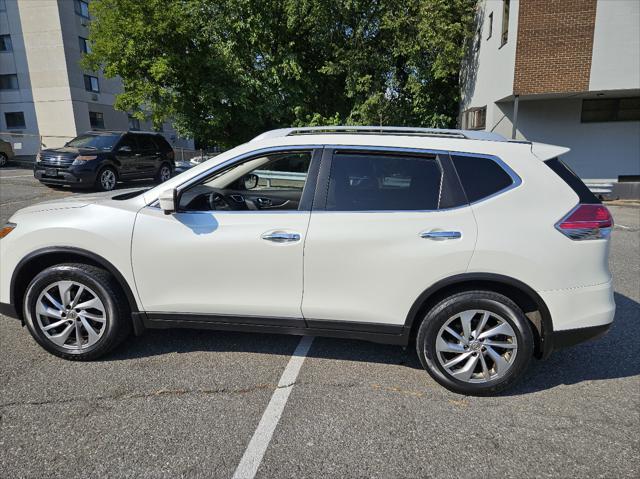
[[91, 84], [9, 82], [85, 47], [82, 8], [134, 123], [96, 120], [610, 109], [505, 22], [490, 26], [14, 119], [474, 118], [5, 43], [3, 6]]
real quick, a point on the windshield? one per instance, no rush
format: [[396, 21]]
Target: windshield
[[94, 142]]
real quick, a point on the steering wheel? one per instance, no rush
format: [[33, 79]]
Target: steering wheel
[[217, 201]]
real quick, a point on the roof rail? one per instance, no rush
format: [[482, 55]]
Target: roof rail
[[381, 130]]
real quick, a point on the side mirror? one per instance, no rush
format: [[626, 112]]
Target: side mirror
[[250, 181], [167, 200], [124, 149]]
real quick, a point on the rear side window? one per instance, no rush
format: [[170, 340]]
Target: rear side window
[[161, 143], [571, 179], [480, 177], [380, 182], [146, 143]]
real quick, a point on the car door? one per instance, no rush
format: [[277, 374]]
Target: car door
[[127, 155], [147, 156], [391, 224], [219, 260]]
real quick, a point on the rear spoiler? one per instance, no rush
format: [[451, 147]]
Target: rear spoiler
[[545, 152]]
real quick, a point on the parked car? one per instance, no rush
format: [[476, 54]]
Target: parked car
[[182, 166], [482, 252], [99, 159], [6, 152]]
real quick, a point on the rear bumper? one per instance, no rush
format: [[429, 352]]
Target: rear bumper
[[8, 310], [579, 314]]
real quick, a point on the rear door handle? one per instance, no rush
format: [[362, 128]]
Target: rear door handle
[[441, 235], [281, 237]]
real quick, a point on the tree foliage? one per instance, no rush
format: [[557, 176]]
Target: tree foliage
[[225, 70]]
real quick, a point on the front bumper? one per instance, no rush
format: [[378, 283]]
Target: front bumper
[[64, 176]]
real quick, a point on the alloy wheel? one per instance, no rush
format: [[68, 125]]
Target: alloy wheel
[[108, 180], [70, 315], [165, 173], [476, 346]]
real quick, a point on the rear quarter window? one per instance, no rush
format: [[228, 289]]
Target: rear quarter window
[[480, 177], [573, 181]]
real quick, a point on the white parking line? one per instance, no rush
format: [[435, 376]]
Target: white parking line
[[254, 453], [21, 176]]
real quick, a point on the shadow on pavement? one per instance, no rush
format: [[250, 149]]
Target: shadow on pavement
[[613, 356]]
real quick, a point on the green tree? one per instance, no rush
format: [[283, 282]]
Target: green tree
[[225, 70]]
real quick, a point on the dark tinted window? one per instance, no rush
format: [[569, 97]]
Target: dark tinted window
[[571, 179], [360, 182], [480, 177], [161, 143], [146, 143], [129, 141], [95, 142]]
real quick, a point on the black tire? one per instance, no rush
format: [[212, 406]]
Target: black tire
[[102, 184], [474, 300], [3, 160], [161, 174], [118, 322]]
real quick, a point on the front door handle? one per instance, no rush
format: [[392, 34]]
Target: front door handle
[[281, 237], [441, 235]]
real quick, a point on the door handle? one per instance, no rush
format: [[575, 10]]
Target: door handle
[[281, 237], [441, 235]]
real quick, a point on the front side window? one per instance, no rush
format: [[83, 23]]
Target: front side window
[[96, 120], [383, 182], [14, 119], [91, 83], [273, 182], [5, 43], [9, 82]]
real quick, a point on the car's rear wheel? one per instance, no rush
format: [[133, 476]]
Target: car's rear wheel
[[164, 173], [76, 311], [475, 342], [107, 179]]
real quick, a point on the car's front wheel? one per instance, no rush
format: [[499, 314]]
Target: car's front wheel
[[3, 159], [475, 342], [164, 173], [107, 179], [76, 311]]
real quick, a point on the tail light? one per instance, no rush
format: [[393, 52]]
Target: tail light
[[587, 221], [171, 155]]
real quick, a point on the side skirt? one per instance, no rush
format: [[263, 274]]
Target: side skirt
[[377, 333]]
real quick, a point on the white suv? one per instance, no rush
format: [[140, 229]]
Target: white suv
[[484, 252]]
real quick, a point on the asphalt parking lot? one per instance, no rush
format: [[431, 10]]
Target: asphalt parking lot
[[187, 403]]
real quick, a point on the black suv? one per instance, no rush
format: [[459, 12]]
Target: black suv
[[101, 159]]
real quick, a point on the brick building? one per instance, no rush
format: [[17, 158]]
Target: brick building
[[559, 71]]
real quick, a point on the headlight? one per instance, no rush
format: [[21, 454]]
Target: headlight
[[38, 158], [6, 229], [82, 159]]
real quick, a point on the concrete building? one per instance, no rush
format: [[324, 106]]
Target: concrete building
[[560, 71], [43, 91]]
